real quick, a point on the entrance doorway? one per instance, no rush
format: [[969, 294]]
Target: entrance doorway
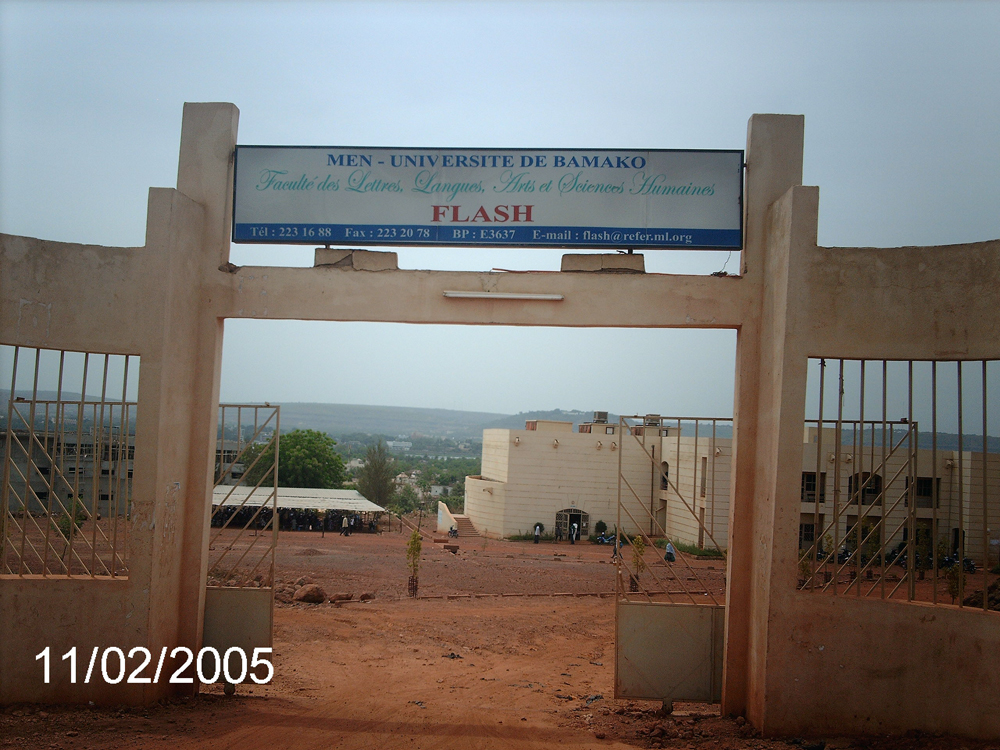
[[569, 519]]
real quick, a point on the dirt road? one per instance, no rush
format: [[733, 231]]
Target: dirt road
[[518, 672]]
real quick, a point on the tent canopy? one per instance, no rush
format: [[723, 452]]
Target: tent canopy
[[296, 497]]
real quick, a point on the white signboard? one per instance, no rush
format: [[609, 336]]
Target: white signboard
[[472, 197]]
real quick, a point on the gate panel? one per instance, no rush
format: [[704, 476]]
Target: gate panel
[[66, 492], [239, 600], [670, 614], [244, 531], [669, 651]]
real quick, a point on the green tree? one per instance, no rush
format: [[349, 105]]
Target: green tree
[[306, 459], [375, 477], [405, 500]]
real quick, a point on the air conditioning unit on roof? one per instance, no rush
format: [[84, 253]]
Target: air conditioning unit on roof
[[600, 417]]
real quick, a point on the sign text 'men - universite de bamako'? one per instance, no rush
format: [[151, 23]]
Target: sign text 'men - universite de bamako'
[[471, 197]]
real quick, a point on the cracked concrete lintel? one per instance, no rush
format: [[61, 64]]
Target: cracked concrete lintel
[[359, 260], [604, 262]]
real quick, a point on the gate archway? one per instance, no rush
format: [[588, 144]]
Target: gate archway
[[167, 302]]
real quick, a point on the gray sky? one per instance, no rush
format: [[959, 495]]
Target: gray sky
[[902, 107]]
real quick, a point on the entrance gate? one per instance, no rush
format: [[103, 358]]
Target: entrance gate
[[670, 616], [239, 596], [167, 301]]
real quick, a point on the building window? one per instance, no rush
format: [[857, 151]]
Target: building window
[[809, 487], [609, 430], [584, 428], [807, 534], [870, 486], [923, 491], [664, 476]]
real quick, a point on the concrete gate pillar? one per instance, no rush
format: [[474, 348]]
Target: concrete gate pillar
[[192, 354], [774, 165], [153, 301]]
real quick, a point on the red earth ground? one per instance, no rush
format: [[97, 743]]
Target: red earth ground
[[497, 652]]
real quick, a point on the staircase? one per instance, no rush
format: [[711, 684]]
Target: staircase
[[465, 527], [425, 531]]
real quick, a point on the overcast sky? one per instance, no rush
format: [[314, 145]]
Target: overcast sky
[[901, 100]]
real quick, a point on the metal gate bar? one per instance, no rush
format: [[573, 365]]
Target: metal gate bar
[[244, 536], [636, 431], [47, 456], [903, 515]]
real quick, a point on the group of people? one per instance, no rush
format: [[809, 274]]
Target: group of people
[[670, 555], [574, 533], [292, 519]]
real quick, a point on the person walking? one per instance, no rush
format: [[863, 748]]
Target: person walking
[[671, 555], [616, 547], [572, 533], [538, 533], [343, 525]]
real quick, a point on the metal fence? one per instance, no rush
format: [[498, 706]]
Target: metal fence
[[901, 482], [69, 442], [685, 505], [244, 533]]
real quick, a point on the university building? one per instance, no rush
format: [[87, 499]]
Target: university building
[[675, 482]]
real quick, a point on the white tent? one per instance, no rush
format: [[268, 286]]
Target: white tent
[[295, 497]]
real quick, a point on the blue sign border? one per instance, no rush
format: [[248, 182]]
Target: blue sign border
[[435, 235]]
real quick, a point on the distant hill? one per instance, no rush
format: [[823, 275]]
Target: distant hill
[[516, 421], [343, 419]]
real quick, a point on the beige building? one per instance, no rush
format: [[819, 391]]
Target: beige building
[[549, 474], [676, 483]]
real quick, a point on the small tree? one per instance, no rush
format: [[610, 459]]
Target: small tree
[[600, 527], [413, 553], [413, 561], [69, 523], [638, 550], [956, 580]]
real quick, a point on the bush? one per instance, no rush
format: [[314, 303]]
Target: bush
[[66, 526], [600, 527], [528, 536], [691, 549]]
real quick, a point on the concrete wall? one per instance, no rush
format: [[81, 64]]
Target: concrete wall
[[486, 505], [910, 653]]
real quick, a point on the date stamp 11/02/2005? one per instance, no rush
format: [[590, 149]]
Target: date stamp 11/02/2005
[[111, 665]]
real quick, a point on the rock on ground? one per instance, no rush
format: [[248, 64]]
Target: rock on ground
[[311, 593]]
